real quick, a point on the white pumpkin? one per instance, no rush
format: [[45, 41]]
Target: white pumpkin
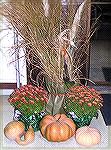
[[88, 136]]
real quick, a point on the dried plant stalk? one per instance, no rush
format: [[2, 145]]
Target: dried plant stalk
[[46, 36], [40, 33]]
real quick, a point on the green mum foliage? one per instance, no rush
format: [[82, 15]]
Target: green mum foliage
[[82, 100], [28, 99]]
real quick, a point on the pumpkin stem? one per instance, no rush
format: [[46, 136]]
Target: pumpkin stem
[[59, 117]]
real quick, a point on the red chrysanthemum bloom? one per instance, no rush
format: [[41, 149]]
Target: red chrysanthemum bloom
[[29, 99], [82, 100]]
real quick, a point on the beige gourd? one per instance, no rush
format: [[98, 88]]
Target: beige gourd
[[88, 136], [14, 130]]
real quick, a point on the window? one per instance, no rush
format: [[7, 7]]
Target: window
[[8, 65]]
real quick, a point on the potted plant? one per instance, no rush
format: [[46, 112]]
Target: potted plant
[[81, 104], [28, 102]]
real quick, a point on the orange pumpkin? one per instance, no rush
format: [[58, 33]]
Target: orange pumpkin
[[88, 136], [57, 128], [14, 130]]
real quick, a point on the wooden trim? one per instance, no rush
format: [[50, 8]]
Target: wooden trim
[[101, 3], [102, 83], [8, 85]]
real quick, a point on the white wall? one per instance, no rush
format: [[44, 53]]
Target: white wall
[[7, 60]]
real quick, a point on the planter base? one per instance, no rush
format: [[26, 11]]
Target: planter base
[[32, 120], [83, 121]]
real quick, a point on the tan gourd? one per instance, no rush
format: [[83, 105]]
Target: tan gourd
[[57, 128], [14, 130], [88, 136]]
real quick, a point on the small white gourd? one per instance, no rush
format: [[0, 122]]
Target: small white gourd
[[88, 136]]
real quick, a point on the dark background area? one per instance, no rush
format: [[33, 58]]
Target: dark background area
[[102, 9], [106, 109]]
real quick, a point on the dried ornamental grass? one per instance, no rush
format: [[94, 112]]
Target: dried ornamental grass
[[41, 33], [53, 37]]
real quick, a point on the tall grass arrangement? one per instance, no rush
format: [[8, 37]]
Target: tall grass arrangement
[[53, 36], [44, 35]]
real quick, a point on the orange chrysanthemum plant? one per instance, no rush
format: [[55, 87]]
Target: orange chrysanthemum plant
[[84, 102], [29, 102], [29, 99]]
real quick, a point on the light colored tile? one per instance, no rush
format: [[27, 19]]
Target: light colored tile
[[6, 91]]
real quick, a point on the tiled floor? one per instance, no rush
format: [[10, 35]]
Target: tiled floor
[[102, 89]]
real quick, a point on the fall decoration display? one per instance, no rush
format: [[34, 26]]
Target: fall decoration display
[[56, 49], [84, 102], [28, 99], [14, 130], [88, 136], [57, 128]]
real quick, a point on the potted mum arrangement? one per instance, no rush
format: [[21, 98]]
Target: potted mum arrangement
[[82, 104], [29, 102]]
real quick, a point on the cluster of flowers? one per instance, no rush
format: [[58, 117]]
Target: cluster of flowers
[[28, 99], [83, 99]]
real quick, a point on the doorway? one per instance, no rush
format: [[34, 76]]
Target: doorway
[[100, 52]]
